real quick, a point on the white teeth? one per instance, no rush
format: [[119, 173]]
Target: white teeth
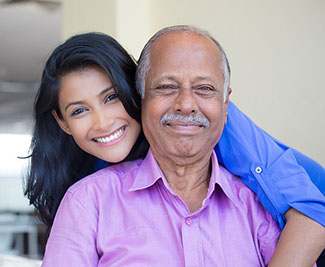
[[107, 139]]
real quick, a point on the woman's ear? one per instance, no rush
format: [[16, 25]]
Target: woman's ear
[[61, 122]]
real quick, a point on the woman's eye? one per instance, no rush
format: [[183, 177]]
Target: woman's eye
[[110, 97], [77, 111]]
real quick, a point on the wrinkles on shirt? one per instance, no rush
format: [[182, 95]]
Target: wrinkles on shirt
[[150, 226]]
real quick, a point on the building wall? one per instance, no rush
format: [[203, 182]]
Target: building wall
[[275, 48]]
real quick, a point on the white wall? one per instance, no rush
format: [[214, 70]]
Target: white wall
[[83, 15], [28, 31], [275, 48]]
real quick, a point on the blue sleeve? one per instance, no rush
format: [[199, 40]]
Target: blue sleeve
[[100, 164], [276, 173]]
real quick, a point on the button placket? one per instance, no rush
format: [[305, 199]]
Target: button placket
[[188, 221], [192, 240]]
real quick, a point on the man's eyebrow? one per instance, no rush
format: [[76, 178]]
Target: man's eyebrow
[[197, 79], [165, 78], [82, 102], [204, 78]]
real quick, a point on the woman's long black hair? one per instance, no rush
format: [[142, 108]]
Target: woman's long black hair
[[56, 160]]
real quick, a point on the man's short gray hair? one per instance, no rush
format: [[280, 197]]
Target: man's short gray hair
[[144, 60]]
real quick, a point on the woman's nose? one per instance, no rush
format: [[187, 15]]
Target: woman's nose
[[100, 121]]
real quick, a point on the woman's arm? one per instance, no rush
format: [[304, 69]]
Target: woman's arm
[[301, 242], [270, 169], [282, 185]]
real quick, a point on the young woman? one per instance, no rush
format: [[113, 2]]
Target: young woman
[[77, 125]]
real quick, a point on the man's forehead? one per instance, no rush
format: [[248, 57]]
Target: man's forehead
[[183, 39], [178, 53]]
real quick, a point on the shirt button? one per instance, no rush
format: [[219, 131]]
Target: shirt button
[[258, 170], [188, 221]]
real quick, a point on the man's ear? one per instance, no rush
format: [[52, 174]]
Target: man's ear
[[63, 125], [226, 103]]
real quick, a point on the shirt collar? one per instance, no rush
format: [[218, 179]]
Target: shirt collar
[[219, 177], [149, 172]]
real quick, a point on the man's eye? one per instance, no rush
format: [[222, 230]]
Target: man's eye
[[110, 97], [166, 86], [165, 89], [206, 88], [77, 111]]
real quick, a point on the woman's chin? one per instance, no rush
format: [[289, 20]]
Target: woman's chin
[[115, 156]]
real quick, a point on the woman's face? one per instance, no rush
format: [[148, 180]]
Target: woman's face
[[94, 115]]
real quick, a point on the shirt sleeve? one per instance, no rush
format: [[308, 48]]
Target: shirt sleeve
[[268, 236], [270, 169], [72, 241]]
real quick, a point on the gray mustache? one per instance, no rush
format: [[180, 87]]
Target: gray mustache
[[176, 117]]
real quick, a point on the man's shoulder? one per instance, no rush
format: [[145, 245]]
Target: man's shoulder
[[232, 179], [247, 203], [242, 194]]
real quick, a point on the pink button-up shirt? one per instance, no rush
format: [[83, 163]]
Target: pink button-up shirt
[[127, 215]]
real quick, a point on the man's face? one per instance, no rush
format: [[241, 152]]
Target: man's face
[[185, 81]]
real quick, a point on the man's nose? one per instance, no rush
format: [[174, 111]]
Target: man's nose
[[186, 102]]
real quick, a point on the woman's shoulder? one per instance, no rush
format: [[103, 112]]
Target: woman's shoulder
[[105, 180]]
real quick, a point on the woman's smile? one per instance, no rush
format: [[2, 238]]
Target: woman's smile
[[115, 136]]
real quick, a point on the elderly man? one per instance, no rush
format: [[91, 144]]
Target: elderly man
[[183, 113], [178, 206]]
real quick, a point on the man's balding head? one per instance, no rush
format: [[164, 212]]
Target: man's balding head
[[144, 63]]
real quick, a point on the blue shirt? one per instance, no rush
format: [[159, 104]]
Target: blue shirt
[[280, 176]]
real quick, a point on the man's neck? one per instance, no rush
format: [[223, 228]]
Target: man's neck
[[189, 179]]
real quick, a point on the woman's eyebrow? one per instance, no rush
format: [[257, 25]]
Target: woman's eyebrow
[[82, 102], [73, 103], [105, 91]]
